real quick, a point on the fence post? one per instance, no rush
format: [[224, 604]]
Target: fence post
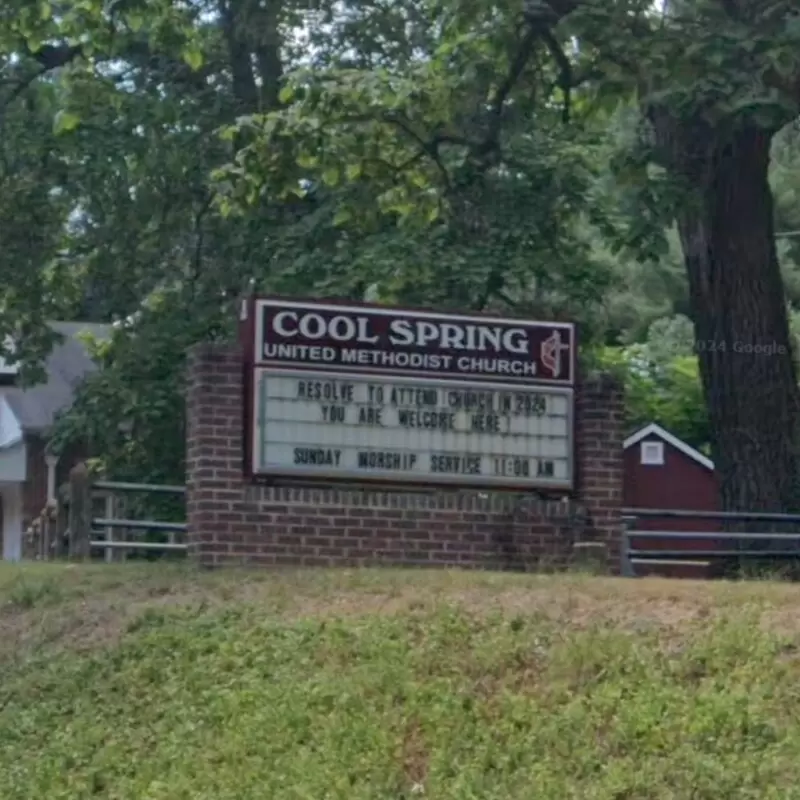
[[80, 511], [44, 522], [62, 521], [109, 514], [626, 568]]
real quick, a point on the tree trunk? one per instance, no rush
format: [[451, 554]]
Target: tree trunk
[[741, 324], [244, 84]]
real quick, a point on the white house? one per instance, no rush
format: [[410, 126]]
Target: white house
[[29, 473]]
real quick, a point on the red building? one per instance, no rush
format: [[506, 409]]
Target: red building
[[664, 473]]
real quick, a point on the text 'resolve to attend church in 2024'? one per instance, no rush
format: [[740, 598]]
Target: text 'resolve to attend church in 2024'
[[366, 393]]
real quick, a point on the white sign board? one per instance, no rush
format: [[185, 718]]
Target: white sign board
[[412, 430]]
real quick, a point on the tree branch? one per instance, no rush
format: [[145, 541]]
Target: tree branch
[[19, 89], [565, 80], [52, 57], [563, 7], [539, 16], [197, 259], [520, 60], [429, 147], [48, 58]]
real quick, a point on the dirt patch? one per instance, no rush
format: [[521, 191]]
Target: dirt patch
[[415, 757], [93, 606]]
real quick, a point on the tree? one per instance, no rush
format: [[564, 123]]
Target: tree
[[666, 391], [714, 82], [553, 159], [125, 138], [727, 235], [713, 107]]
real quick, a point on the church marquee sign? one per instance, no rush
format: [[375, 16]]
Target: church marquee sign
[[368, 393]]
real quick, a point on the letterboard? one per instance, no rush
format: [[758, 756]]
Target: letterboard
[[366, 393], [418, 431]]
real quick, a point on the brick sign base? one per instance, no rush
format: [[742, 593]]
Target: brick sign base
[[231, 521]]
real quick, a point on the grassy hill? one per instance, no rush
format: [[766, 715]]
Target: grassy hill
[[163, 683]]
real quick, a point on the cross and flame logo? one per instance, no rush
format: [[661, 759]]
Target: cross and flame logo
[[551, 351]]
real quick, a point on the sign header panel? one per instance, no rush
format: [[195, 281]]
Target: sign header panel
[[371, 340]]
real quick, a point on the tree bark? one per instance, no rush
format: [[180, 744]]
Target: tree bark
[[244, 86], [253, 37], [739, 309]]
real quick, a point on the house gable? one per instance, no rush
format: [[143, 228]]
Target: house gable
[[656, 431], [66, 367], [13, 452], [684, 480], [10, 429]]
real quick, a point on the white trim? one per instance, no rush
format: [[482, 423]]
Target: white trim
[[5, 367], [668, 562], [655, 456], [14, 463], [51, 460], [10, 429], [656, 430], [11, 533]]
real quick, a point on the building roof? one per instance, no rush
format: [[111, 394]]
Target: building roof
[[68, 364], [656, 430]]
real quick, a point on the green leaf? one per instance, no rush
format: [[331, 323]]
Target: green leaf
[[286, 94], [135, 22], [307, 161], [330, 177], [342, 215], [225, 207], [45, 11], [353, 172], [65, 121], [193, 56], [419, 180]]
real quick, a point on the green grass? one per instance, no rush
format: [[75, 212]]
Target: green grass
[[163, 683]]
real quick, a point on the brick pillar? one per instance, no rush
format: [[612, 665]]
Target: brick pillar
[[230, 522], [599, 435], [214, 446]]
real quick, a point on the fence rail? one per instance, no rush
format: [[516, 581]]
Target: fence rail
[[139, 524], [152, 488], [733, 516], [739, 548], [72, 525]]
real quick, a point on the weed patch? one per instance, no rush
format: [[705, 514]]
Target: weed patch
[[448, 687], [26, 593]]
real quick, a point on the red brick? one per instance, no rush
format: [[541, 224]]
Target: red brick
[[289, 519], [326, 531], [231, 521], [461, 527], [317, 541]]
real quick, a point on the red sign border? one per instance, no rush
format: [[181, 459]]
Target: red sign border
[[247, 341], [253, 314]]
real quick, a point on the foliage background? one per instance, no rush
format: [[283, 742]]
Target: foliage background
[[159, 159]]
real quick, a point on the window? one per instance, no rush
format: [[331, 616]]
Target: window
[[653, 453], [8, 372], [8, 369]]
